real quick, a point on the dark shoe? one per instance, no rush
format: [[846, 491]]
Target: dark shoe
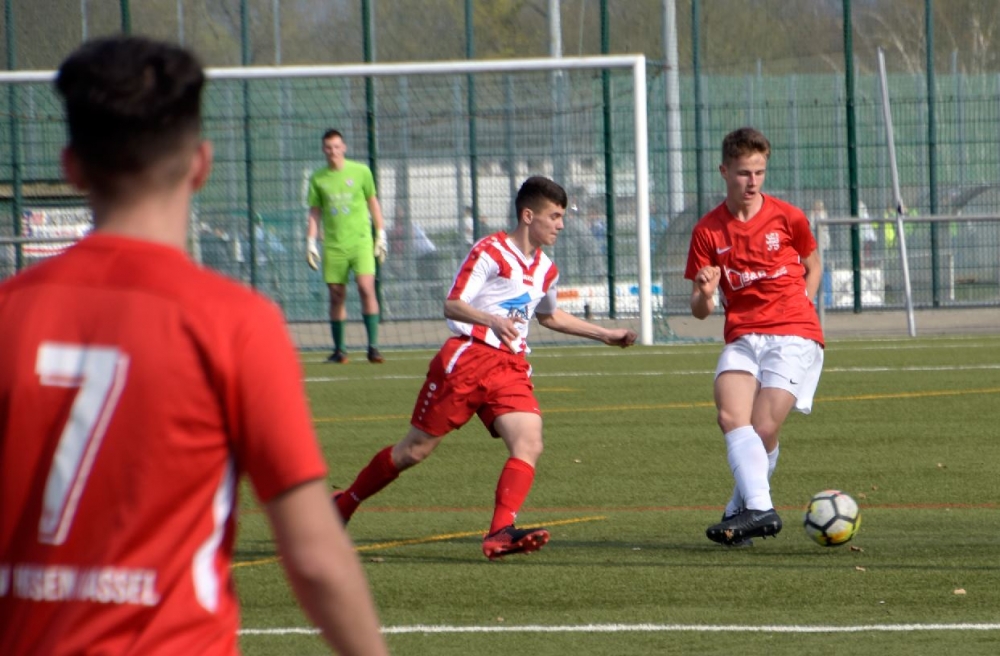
[[374, 356], [747, 542], [510, 540], [337, 357], [746, 524]]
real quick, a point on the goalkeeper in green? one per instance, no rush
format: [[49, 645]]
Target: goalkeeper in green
[[341, 198]]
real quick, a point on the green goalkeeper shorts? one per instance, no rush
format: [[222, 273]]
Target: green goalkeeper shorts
[[339, 262]]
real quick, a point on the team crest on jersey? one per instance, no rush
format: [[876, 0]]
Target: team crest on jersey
[[350, 182], [772, 240]]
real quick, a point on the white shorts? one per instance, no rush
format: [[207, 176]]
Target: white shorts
[[783, 361]]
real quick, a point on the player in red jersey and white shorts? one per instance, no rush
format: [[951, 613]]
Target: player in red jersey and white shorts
[[136, 388], [759, 254], [504, 281]]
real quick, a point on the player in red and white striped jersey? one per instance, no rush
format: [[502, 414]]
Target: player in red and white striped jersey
[[505, 281]]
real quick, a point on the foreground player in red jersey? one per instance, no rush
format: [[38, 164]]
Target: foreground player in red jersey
[[136, 388], [760, 255], [503, 282]]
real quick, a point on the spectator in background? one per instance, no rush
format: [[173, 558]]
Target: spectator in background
[[869, 238], [598, 229], [468, 229], [822, 231], [399, 243]]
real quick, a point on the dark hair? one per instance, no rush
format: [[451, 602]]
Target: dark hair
[[131, 104], [331, 133], [744, 141], [537, 189]]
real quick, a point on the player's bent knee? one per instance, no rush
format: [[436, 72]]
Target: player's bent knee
[[414, 449]]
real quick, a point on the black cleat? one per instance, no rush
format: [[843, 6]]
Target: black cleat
[[374, 356], [337, 357], [746, 542], [749, 523]]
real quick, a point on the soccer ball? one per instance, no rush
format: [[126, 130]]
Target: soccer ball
[[832, 518]]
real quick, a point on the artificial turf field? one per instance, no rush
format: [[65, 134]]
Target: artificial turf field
[[633, 471]]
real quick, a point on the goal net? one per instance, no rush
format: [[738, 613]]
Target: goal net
[[449, 144]]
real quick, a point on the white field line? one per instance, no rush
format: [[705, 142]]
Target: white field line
[[649, 628], [556, 352], [697, 372]]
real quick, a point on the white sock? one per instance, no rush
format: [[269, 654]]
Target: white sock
[[772, 461], [748, 460], [736, 502]]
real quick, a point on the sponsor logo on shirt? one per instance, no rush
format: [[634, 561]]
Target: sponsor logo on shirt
[[741, 279], [517, 308]]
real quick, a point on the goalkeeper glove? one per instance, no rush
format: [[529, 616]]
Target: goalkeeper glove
[[381, 247], [312, 253]]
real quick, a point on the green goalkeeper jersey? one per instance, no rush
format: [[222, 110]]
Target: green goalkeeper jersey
[[342, 196]]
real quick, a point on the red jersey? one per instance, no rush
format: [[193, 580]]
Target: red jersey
[[135, 389], [763, 286]]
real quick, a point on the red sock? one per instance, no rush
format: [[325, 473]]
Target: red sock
[[376, 475], [512, 489]]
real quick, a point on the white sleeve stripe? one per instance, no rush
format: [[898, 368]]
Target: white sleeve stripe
[[206, 578]]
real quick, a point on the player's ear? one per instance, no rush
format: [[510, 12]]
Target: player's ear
[[72, 169], [201, 164]]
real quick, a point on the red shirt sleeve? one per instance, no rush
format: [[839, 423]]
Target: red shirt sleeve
[[699, 252], [277, 442], [803, 240]]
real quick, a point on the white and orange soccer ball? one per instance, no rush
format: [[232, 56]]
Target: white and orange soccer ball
[[832, 518]]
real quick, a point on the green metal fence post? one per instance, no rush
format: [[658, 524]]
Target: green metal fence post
[[852, 152], [16, 181], [609, 160], [126, 14], [699, 154], [368, 48], [248, 142], [932, 151], [470, 53]]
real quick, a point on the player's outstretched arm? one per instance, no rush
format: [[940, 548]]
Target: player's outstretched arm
[[324, 570], [564, 322]]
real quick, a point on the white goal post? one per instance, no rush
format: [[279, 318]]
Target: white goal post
[[637, 64], [634, 63]]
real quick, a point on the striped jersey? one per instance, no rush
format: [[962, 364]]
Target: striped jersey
[[497, 278]]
